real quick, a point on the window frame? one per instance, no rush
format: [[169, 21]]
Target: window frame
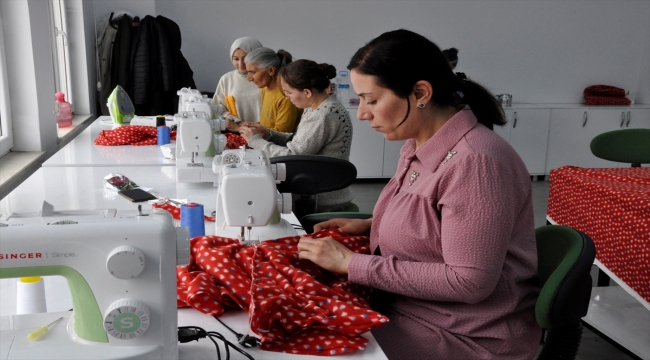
[[6, 134], [61, 50]]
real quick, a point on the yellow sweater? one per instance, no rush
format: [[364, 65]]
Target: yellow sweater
[[278, 113]]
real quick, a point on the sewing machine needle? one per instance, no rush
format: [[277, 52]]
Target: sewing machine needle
[[36, 334]]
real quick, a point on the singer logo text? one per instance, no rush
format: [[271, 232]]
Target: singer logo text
[[12, 256]]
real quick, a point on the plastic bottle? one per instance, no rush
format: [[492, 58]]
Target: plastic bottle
[[62, 110], [343, 87]]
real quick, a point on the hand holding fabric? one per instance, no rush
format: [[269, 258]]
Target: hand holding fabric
[[325, 252], [233, 123], [349, 226], [249, 129]]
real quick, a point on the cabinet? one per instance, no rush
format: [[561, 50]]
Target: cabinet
[[371, 154], [571, 132], [527, 132], [546, 136]]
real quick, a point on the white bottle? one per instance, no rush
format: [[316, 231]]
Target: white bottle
[[343, 91]]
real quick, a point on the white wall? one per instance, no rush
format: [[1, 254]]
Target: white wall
[[539, 51]]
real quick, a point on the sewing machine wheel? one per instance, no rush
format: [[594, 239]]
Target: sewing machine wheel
[[126, 319], [231, 158]]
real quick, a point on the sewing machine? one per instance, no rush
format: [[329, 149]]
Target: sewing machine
[[198, 137], [248, 198], [121, 272]]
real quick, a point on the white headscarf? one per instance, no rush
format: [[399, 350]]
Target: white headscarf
[[245, 43]]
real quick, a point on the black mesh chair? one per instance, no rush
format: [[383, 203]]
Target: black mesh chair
[[564, 260], [309, 175]]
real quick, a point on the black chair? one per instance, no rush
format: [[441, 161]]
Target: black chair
[[564, 260], [308, 221], [309, 175]]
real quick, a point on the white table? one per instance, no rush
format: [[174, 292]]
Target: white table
[[81, 188], [82, 151]]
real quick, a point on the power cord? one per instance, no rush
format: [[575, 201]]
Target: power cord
[[243, 340], [191, 333]]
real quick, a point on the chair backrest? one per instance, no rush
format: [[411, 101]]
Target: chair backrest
[[626, 146], [564, 259], [308, 221], [308, 175]]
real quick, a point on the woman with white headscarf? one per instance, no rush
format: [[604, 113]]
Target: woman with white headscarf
[[247, 97]]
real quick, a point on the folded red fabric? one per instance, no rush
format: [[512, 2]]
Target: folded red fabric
[[605, 95], [234, 141], [294, 305], [130, 135]]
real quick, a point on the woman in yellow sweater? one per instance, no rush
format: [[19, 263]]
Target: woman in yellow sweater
[[263, 66]]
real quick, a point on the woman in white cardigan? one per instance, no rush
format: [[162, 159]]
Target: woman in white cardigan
[[324, 129], [248, 101]]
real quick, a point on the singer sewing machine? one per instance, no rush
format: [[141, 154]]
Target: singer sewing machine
[[198, 138], [121, 271], [248, 198]]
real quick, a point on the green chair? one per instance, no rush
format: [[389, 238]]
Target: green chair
[[309, 175], [625, 146], [308, 221], [630, 146], [564, 260]]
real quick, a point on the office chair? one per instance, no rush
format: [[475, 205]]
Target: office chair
[[309, 175], [630, 146], [626, 146], [308, 221], [564, 258]]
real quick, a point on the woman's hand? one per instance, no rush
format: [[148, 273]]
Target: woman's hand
[[349, 226], [232, 123], [249, 129], [326, 253]]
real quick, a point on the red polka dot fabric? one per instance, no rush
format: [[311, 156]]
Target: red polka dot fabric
[[176, 211], [130, 135], [294, 305], [234, 141], [612, 206]]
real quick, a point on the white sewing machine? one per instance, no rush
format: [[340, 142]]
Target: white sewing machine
[[248, 197], [121, 271], [198, 138]]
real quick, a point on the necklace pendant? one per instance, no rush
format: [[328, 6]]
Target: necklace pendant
[[450, 154], [414, 176]]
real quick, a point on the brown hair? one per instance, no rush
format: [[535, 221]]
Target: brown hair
[[307, 74]]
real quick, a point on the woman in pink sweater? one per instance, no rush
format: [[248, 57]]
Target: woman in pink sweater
[[453, 256]]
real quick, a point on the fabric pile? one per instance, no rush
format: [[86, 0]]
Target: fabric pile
[[605, 95], [235, 141], [294, 305], [130, 135]]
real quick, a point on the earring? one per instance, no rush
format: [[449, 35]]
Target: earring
[[421, 105]]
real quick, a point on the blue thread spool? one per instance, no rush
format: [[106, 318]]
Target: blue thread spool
[[163, 135], [192, 218]]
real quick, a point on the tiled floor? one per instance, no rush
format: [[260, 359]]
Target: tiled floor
[[592, 346]]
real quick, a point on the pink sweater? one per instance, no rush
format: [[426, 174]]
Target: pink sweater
[[457, 246]]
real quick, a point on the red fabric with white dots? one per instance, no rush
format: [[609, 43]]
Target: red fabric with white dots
[[130, 135], [293, 305], [612, 206]]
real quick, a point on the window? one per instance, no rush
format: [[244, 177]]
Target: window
[[6, 136], [62, 77]]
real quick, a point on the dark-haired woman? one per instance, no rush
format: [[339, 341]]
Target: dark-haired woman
[[324, 129], [263, 66], [453, 255]]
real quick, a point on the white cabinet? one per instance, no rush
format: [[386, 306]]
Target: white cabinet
[[546, 136], [571, 133], [527, 133], [391, 157], [371, 154], [367, 151]]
